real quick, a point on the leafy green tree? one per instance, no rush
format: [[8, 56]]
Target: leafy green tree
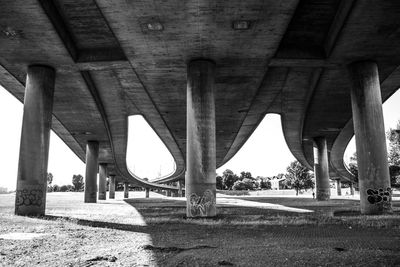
[[77, 181], [264, 182], [393, 136], [64, 188], [353, 168], [245, 184], [229, 178], [299, 177], [49, 181], [219, 183], [49, 178], [56, 188], [244, 175]]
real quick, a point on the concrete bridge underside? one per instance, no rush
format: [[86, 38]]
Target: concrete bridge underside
[[113, 59]]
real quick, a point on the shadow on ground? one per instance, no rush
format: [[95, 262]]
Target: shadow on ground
[[154, 232], [249, 236]]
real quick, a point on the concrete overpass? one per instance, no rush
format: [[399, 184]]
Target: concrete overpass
[[217, 67]]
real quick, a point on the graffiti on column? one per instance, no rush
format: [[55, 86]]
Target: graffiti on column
[[27, 197], [201, 205], [379, 196]]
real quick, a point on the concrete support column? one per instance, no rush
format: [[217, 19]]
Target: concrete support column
[[126, 190], [338, 187], [180, 189], [111, 190], [92, 155], [373, 170], [147, 192], [30, 198], [321, 169], [168, 193], [351, 189], [102, 181], [201, 150]]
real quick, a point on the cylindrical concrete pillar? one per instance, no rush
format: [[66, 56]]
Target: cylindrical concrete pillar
[[111, 191], [351, 189], [373, 170], [147, 192], [30, 198], [338, 187], [92, 156], [180, 188], [201, 144], [126, 190], [102, 181], [168, 193], [321, 169]]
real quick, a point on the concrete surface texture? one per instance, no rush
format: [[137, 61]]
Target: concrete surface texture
[[35, 137], [200, 156], [102, 181], [375, 191], [92, 157], [119, 58], [321, 169]]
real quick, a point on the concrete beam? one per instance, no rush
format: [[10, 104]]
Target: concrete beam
[[30, 198], [342, 13], [321, 169], [373, 170], [92, 156], [201, 142], [303, 63]]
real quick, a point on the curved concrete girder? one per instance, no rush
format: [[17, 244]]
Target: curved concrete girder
[[328, 115], [340, 144], [115, 118], [267, 95], [135, 94], [74, 133], [160, 57], [388, 87], [17, 89], [365, 33], [267, 100], [38, 42], [296, 95]]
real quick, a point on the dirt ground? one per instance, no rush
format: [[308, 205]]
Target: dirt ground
[[249, 231]]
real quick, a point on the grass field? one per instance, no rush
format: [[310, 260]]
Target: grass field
[[248, 231]]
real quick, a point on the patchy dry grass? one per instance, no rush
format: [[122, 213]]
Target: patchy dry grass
[[155, 232], [176, 217]]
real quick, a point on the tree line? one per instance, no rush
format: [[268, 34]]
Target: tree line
[[297, 177], [77, 184]]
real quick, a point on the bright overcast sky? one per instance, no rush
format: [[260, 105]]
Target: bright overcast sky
[[264, 154]]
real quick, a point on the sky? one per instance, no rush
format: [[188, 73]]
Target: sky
[[264, 154]]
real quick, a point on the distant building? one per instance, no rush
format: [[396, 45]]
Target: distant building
[[275, 182]]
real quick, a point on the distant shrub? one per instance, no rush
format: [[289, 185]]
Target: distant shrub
[[64, 188]]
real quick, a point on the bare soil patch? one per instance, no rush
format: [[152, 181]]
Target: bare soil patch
[[153, 232]]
